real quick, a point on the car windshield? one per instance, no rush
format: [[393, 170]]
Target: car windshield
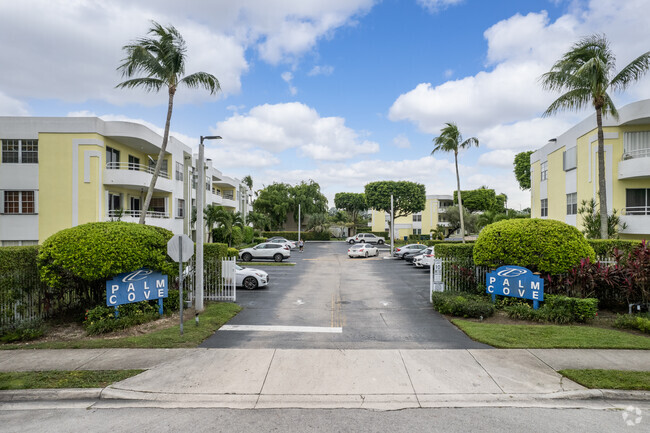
[[239, 268]]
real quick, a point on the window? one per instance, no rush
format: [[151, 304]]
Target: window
[[636, 144], [29, 151], [24, 151], [135, 206], [417, 218], [112, 158], [572, 203], [114, 205], [180, 213], [134, 163], [163, 167], [637, 201], [19, 202], [569, 159], [157, 204], [417, 231], [544, 170], [179, 171], [544, 207]]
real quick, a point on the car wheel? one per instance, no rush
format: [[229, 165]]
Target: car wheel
[[250, 283], [351, 241], [246, 257], [366, 253], [380, 242], [278, 257]]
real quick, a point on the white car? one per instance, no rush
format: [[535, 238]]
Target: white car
[[280, 240], [367, 238], [250, 278], [266, 250], [362, 250], [425, 259]]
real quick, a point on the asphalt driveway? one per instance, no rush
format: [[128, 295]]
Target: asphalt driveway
[[329, 301]]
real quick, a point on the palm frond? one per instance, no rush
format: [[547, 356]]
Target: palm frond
[[473, 141], [149, 84], [572, 100], [632, 72], [609, 109], [202, 79]]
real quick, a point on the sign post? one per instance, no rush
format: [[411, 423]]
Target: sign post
[[180, 248]]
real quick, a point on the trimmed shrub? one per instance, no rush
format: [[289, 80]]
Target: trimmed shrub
[[232, 252], [640, 322], [101, 319], [462, 305], [606, 247], [248, 235], [453, 250], [556, 309], [237, 236], [214, 252], [307, 236], [259, 240], [94, 252], [540, 245]]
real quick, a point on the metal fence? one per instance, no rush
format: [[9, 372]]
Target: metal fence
[[461, 275], [219, 280]]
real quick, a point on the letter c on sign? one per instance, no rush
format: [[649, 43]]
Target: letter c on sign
[[112, 300], [490, 289]]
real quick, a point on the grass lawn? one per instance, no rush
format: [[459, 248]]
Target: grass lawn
[[550, 336], [63, 379], [212, 318], [610, 379]]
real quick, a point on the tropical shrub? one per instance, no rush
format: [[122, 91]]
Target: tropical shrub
[[462, 305], [247, 235], [555, 309], [22, 331], [237, 236], [606, 247], [540, 245], [640, 322]]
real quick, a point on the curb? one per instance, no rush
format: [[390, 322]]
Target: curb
[[51, 394]]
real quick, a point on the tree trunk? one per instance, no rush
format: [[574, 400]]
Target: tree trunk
[[161, 155], [602, 185], [460, 200]]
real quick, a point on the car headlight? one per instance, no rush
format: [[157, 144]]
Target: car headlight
[[259, 274]]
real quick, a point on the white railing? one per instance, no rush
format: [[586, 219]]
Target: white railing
[[638, 153], [637, 210], [219, 280], [117, 213], [135, 167], [229, 196]]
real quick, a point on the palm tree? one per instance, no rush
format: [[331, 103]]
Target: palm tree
[[584, 74], [161, 59], [211, 215], [451, 140]]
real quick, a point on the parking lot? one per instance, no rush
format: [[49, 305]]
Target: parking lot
[[328, 300]]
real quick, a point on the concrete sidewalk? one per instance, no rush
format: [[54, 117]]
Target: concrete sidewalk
[[376, 379]]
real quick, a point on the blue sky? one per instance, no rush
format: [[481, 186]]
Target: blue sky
[[343, 92]]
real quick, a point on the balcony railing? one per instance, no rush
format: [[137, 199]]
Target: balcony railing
[[135, 167], [230, 196], [118, 213], [637, 210], [639, 153]]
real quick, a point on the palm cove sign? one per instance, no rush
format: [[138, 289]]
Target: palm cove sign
[[141, 285], [517, 282]]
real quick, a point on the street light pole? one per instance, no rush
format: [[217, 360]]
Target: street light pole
[[200, 205]]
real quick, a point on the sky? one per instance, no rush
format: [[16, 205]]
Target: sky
[[342, 92]]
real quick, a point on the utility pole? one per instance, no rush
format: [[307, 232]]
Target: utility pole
[[299, 223], [392, 221]]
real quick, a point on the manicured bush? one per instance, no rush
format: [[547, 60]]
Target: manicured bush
[[232, 252], [555, 309], [307, 236], [214, 252], [540, 245], [248, 233], [237, 236], [101, 319], [640, 322], [94, 252], [606, 247], [259, 240], [461, 304], [454, 250]]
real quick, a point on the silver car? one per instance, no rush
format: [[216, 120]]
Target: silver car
[[408, 249], [266, 250]]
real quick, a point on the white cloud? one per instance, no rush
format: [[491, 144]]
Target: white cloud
[[276, 128], [437, 5], [498, 158], [525, 135], [81, 47], [12, 107], [402, 142], [288, 77], [321, 70]]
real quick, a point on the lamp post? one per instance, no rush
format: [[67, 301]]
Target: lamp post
[[200, 204]]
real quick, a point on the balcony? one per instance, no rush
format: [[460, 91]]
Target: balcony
[[135, 176], [158, 219], [637, 219], [634, 164]]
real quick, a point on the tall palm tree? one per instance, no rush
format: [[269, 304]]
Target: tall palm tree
[[211, 216], [584, 74], [451, 140], [161, 59]]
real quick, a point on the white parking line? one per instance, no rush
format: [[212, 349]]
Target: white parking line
[[268, 328]]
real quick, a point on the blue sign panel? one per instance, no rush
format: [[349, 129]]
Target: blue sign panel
[[140, 285], [515, 281]]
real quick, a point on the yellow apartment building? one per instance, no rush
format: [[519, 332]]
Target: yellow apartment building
[[420, 223], [565, 171], [59, 172]]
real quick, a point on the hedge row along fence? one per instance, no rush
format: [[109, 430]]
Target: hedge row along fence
[[293, 236]]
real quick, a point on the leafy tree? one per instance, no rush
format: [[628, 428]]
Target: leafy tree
[[408, 197], [211, 215], [161, 59], [522, 169], [353, 203], [309, 197], [584, 74], [318, 222], [470, 220], [478, 200], [451, 140], [274, 201], [248, 181], [589, 213], [259, 221]]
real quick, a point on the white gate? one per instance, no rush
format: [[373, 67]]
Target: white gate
[[219, 281]]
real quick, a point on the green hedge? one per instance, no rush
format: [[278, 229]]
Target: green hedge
[[454, 250], [556, 309], [640, 322], [541, 245], [293, 236], [605, 247], [215, 252], [462, 305]]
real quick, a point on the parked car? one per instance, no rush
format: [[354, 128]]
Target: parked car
[[425, 259], [281, 240], [367, 238], [409, 257], [250, 278], [410, 248], [266, 250], [363, 250]]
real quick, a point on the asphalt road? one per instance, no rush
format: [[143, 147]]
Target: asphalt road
[[368, 303]]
